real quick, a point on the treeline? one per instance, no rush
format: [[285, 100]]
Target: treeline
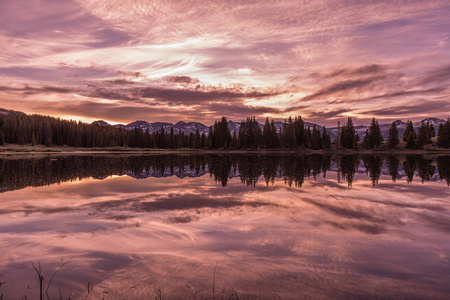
[[348, 138], [292, 169], [294, 134], [44, 130]]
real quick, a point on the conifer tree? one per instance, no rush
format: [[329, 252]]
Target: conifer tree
[[274, 138], [366, 140], [326, 139], [393, 140], [444, 135], [409, 129], [424, 135], [432, 131], [267, 134], [197, 139], [410, 141], [375, 137], [349, 137]]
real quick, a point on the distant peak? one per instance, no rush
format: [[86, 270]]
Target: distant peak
[[101, 123]]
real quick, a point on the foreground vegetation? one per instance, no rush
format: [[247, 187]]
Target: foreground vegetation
[[35, 131]]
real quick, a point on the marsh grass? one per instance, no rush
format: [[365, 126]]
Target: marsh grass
[[96, 291]]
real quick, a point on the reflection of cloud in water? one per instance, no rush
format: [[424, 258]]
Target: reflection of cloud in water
[[138, 236]]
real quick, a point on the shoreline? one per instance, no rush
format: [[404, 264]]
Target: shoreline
[[12, 149]]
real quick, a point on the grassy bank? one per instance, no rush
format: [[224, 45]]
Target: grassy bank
[[383, 149]]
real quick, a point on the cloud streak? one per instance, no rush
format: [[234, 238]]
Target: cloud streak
[[322, 60]]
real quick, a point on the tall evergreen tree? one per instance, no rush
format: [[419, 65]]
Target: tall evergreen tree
[[432, 131], [411, 141], [267, 134], [375, 137], [424, 135], [409, 129], [349, 138], [393, 140], [444, 135], [366, 140], [274, 138], [326, 139]]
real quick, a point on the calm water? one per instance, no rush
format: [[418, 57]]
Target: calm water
[[256, 227]]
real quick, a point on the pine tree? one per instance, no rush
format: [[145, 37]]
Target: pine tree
[[444, 135], [267, 134], [274, 138], [33, 139], [375, 137], [300, 132], [326, 139], [316, 139], [393, 140], [2, 138], [349, 137], [366, 140], [221, 133], [424, 135], [409, 129], [432, 131], [410, 141]]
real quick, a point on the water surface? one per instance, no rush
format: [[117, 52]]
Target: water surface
[[253, 226]]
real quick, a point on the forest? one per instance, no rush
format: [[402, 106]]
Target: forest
[[34, 130]]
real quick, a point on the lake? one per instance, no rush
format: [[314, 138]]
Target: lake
[[225, 226]]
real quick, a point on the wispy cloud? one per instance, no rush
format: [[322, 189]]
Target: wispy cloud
[[321, 60]]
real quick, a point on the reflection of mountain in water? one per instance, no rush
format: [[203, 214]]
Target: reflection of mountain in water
[[292, 169], [177, 172]]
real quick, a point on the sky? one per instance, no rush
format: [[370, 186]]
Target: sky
[[172, 60]]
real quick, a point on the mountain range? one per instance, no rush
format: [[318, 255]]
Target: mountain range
[[191, 127]]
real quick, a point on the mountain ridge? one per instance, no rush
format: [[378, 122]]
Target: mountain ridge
[[191, 127]]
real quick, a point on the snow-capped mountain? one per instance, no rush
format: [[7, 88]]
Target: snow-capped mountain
[[191, 127], [10, 112], [181, 126], [101, 123]]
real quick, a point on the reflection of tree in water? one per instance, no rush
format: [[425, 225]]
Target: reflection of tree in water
[[410, 166], [219, 167], [20, 173], [443, 163], [250, 168], [270, 168], [393, 163], [294, 170], [349, 163], [425, 169], [373, 165]]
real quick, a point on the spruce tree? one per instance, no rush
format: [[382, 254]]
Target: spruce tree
[[375, 137], [409, 129], [349, 137], [424, 135], [444, 135], [410, 141], [326, 140], [432, 131], [274, 138], [266, 134], [393, 140], [366, 140]]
